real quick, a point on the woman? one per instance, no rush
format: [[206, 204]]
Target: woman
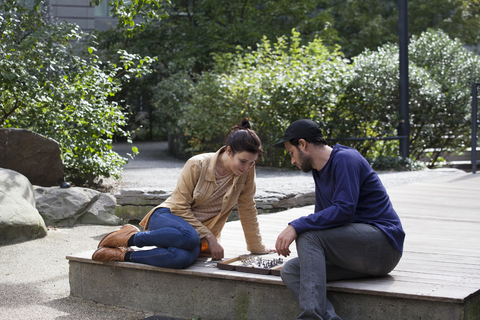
[[192, 218]]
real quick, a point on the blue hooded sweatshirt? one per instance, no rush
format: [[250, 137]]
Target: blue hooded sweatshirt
[[347, 190]]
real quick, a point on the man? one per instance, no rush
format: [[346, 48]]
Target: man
[[354, 231]]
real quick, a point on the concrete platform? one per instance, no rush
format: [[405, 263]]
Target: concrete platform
[[437, 278]]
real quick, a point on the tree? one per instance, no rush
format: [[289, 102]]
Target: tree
[[364, 24], [197, 31], [360, 24], [48, 87], [191, 32], [368, 24], [134, 15]]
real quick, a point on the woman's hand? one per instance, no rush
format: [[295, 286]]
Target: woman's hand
[[215, 248], [284, 240]]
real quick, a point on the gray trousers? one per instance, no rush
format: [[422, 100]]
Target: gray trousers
[[351, 251]]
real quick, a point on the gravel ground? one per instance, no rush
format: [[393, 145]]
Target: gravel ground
[[34, 278], [34, 274]]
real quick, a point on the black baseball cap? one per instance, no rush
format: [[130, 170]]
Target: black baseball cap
[[300, 129]]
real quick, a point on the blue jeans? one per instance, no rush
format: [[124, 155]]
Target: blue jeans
[[177, 242], [351, 251]]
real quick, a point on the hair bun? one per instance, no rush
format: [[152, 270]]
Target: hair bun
[[242, 138], [245, 124]]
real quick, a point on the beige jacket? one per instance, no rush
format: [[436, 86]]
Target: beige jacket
[[196, 184]]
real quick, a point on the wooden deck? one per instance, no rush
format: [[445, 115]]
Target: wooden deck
[[441, 257], [438, 276]]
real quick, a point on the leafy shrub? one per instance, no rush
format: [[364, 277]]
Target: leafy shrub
[[443, 124], [171, 100], [441, 72], [49, 88], [273, 86], [283, 82], [382, 163]]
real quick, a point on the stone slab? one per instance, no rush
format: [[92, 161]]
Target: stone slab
[[181, 295], [210, 293]]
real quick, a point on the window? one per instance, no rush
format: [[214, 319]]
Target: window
[[103, 9]]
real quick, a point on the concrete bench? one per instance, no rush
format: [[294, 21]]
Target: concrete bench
[[205, 291], [437, 278]]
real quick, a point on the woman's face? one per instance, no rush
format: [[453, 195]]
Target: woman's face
[[241, 161]]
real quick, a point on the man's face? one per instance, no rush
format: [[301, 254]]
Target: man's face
[[299, 158]]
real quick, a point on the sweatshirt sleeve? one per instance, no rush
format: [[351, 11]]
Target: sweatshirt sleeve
[[338, 199]]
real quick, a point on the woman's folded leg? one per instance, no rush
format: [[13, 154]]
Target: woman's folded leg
[[173, 258], [167, 230]]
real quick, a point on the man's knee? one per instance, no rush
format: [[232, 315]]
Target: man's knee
[[290, 269], [309, 238]]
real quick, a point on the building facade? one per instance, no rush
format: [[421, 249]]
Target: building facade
[[80, 12]]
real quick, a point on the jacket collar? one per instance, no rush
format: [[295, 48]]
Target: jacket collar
[[210, 176]]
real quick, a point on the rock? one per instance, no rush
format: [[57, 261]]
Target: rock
[[67, 207], [141, 197], [31, 154], [135, 203], [102, 211], [128, 213], [268, 202], [19, 220]]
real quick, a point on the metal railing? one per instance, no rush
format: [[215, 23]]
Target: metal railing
[[475, 124], [365, 139]]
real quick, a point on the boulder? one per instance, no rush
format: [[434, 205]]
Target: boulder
[[31, 154], [135, 203], [69, 206], [272, 201], [19, 219], [102, 211]]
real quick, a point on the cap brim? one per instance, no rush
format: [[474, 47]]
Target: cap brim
[[280, 144]]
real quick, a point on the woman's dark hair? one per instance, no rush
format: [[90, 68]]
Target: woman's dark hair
[[241, 138]]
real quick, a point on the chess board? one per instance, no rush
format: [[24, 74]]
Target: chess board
[[253, 264]]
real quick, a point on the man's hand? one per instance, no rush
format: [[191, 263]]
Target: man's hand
[[215, 248], [284, 240]]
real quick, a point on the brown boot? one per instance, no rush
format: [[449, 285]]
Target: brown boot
[[105, 254], [118, 238]]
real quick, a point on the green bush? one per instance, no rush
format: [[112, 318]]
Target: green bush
[[280, 83], [382, 163], [444, 123], [49, 87], [187, 36], [170, 102], [441, 72], [273, 86]]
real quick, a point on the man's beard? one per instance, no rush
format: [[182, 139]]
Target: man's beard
[[305, 161]]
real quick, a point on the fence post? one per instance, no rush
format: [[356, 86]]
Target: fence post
[[404, 127], [473, 152]]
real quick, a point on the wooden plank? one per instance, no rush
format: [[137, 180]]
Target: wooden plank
[[435, 279], [428, 256]]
